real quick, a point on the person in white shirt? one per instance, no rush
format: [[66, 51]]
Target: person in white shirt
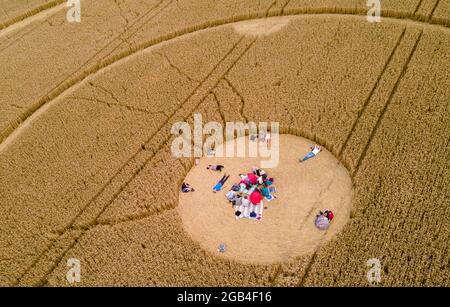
[[245, 201], [314, 151]]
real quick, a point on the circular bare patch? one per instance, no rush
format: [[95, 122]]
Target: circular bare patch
[[287, 228]]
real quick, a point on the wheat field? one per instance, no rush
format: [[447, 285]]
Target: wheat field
[[86, 111]]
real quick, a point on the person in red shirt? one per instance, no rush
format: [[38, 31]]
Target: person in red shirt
[[329, 214]]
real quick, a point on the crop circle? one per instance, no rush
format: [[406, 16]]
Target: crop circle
[[287, 229]]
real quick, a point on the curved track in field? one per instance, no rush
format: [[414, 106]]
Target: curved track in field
[[74, 83], [65, 85]]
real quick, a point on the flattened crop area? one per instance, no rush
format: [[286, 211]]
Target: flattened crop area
[[86, 170]]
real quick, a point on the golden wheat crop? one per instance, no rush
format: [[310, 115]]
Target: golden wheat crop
[[98, 101]]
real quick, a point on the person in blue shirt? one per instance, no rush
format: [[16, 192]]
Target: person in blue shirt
[[265, 191], [220, 184]]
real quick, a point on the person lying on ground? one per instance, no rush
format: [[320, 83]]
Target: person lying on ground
[[269, 181], [314, 151], [213, 167], [186, 188], [220, 184], [265, 191], [245, 201]]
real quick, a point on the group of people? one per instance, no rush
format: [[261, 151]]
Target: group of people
[[323, 219], [263, 137], [247, 195], [327, 213], [256, 186], [257, 182]]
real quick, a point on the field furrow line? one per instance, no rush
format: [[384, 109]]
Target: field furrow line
[[139, 27], [125, 191], [236, 92], [71, 225], [125, 219], [308, 269], [142, 216], [30, 14], [433, 10], [372, 109], [109, 182], [418, 7], [111, 104], [284, 6], [74, 79], [171, 64], [174, 116], [20, 37], [118, 38], [307, 272], [167, 139], [309, 217], [369, 97], [219, 107], [270, 7], [383, 111]]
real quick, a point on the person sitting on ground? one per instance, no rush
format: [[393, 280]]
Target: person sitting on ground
[[260, 180], [314, 151], [252, 178], [329, 214], [262, 136], [269, 181], [220, 184], [231, 195], [237, 201], [263, 178], [213, 167], [267, 138], [245, 201], [236, 187], [257, 171], [186, 188]]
